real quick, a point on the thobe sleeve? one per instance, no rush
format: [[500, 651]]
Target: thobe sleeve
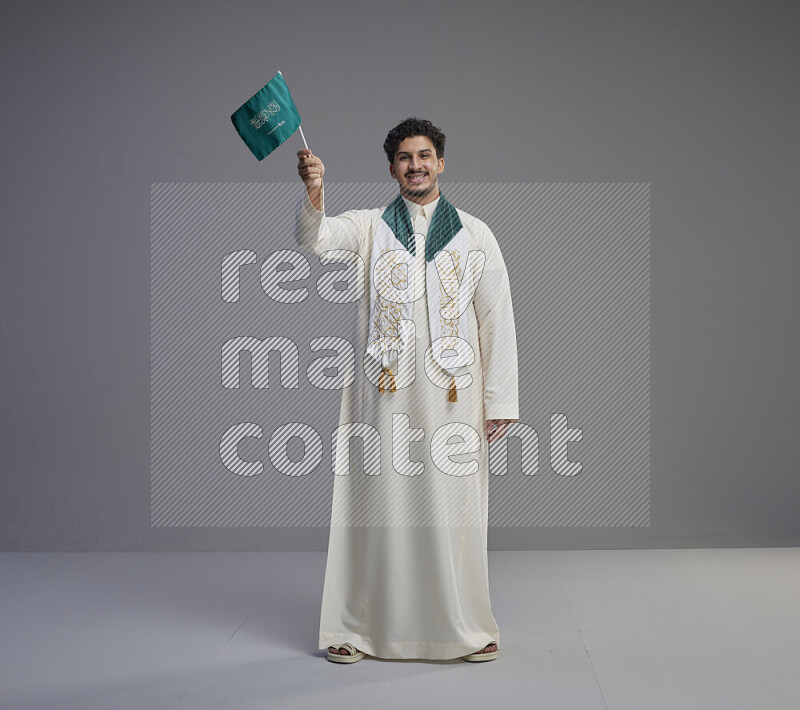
[[497, 336], [317, 232]]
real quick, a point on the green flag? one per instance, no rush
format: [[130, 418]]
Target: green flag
[[268, 118]]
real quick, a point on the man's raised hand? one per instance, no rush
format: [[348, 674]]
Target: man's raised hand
[[311, 169]]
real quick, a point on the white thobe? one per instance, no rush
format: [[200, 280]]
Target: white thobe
[[407, 567]]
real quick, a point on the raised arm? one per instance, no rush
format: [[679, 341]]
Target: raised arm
[[314, 230]]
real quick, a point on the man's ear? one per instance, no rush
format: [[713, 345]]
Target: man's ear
[[441, 165], [391, 171]]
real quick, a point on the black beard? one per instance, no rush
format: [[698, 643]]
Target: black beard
[[410, 192]]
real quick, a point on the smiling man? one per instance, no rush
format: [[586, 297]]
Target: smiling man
[[407, 569], [416, 167]]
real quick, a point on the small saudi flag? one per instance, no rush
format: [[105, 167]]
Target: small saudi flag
[[268, 118]]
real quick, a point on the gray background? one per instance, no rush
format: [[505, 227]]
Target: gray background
[[100, 100]]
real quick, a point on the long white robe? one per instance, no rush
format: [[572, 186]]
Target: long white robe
[[407, 568]]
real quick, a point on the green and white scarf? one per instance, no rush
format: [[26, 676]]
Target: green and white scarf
[[451, 276]]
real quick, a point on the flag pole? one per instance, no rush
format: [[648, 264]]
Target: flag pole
[[300, 127]]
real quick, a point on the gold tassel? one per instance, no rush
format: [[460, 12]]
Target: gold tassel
[[392, 383], [453, 396]]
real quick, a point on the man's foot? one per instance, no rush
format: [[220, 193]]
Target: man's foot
[[487, 653], [342, 651]]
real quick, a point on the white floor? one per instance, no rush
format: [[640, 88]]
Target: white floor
[[619, 629]]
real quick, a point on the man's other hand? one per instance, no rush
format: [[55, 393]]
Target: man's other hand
[[496, 428]]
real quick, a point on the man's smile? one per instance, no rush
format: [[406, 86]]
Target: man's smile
[[416, 177]]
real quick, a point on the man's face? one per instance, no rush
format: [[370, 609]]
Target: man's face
[[416, 168]]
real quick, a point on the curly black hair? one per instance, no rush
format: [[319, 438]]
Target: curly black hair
[[413, 127]]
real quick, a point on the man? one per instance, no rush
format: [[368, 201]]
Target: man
[[407, 569]]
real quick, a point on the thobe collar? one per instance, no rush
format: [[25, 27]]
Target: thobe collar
[[443, 220], [427, 210]]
